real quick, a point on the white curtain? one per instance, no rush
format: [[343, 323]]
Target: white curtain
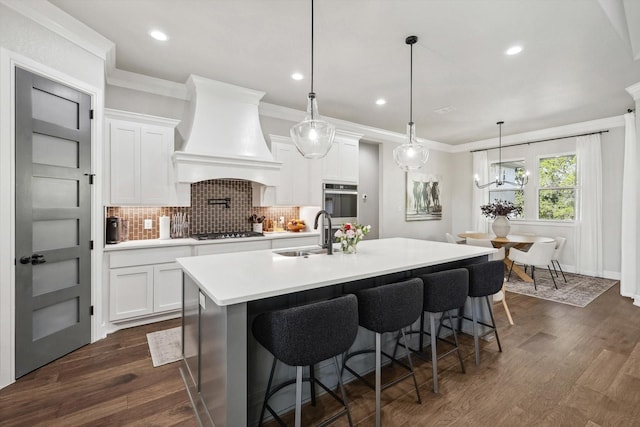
[[480, 196], [589, 206], [629, 286]]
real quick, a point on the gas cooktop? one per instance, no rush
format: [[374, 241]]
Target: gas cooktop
[[226, 235]]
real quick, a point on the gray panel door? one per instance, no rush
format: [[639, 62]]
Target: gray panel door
[[53, 221]]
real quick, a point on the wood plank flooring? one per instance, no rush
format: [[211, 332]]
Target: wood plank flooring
[[561, 366]]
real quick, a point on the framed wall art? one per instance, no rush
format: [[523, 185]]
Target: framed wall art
[[422, 197]]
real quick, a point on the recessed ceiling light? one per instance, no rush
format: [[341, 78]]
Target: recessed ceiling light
[[158, 35], [445, 110], [381, 101], [297, 76], [514, 50]]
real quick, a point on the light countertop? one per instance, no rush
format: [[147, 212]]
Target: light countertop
[[240, 277], [157, 243]]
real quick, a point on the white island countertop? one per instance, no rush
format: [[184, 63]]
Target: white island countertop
[[241, 277]]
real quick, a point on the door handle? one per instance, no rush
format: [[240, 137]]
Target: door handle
[[33, 259]]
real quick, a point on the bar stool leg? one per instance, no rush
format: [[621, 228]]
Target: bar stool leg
[[378, 379], [312, 384], [476, 341], [413, 374], [455, 339], [344, 395], [266, 395], [434, 353], [298, 422], [493, 322]]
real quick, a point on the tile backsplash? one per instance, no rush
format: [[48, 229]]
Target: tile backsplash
[[204, 217]]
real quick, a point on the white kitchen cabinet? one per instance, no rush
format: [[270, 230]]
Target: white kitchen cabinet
[[140, 169], [341, 163], [297, 178], [145, 282], [229, 247], [130, 292], [167, 287], [292, 242]]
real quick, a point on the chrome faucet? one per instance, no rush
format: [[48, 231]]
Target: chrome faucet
[[328, 241]]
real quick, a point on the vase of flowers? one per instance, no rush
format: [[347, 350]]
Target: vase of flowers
[[349, 235], [500, 211]]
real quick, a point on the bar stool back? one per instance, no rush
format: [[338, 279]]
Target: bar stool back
[[388, 308], [485, 279], [303, 336], [444, 291]]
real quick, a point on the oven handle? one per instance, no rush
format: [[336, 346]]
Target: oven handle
[[348, 192]]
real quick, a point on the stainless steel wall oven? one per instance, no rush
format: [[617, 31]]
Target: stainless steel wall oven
[[341, 201]]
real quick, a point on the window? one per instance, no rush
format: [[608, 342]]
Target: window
[[557, 187], [511, 171]]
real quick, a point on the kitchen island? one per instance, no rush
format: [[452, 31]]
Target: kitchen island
[[224, 368]]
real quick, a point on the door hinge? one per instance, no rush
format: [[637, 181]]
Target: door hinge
[[91, 244], [91, 311], [90, 175], [90, 114]]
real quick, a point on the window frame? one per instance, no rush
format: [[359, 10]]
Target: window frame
[[523, 160], [538, 187]]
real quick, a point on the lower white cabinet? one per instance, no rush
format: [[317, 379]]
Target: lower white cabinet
[[130, 292], [167, 287], [145, 282]]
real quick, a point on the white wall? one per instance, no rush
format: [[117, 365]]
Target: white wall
[[612, 163], [120, 98], [392, 218], [30, 45]]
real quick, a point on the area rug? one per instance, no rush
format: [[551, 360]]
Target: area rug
[[165, 346], [579, 290]]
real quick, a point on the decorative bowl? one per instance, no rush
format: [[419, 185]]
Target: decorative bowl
[[296, 227]]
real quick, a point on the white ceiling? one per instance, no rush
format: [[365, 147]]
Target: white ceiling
[[575, 66]]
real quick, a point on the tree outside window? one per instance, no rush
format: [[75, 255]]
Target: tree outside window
[[557, 188]]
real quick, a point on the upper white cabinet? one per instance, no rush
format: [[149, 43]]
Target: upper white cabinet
[[299, 177], [341, 163], [139, 149]]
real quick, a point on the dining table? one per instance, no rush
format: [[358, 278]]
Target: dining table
[[518, 241]]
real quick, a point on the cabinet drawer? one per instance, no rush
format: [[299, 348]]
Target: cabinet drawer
[[135, 257], [223, 248], [293, 242]]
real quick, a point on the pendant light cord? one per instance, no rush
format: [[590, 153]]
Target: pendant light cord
[[411, 87], [500, 151], [312, 46]]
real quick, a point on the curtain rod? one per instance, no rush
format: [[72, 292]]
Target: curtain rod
[[541, 140]]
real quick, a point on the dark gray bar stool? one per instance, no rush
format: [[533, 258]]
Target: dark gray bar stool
[[303, 336], [443, 291], [388, 308], [485, 279]]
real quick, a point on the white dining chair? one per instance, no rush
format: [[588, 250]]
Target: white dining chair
[[502, 295], [560, 241], [451, 239], [539, 254]]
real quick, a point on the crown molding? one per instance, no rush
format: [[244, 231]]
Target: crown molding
[[368, 133], [63, 24], [555, 132], [142, 83], [634, 91]]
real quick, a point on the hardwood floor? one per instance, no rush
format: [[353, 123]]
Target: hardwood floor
[[561, 366]]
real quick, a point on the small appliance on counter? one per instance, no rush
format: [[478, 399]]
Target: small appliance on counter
[[112, 230]]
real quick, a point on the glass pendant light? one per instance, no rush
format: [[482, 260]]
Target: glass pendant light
[[411, 155], [313, 136]]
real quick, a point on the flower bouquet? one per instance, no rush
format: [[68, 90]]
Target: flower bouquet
[[500, 208], [349, 235]]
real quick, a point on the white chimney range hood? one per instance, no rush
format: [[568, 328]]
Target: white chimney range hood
[[222, 135]]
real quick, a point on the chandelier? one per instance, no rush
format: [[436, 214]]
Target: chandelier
[[313, 136], [411, 155], [501, 179]]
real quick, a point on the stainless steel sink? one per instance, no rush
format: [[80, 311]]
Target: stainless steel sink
[[303, 252]]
